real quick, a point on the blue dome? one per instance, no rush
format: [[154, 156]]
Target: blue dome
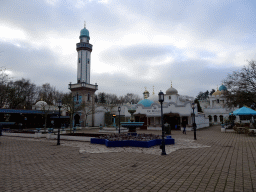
[[146, 102], [222, 87], [84, 33]]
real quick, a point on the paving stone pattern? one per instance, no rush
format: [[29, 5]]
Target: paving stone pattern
[[215, 162]]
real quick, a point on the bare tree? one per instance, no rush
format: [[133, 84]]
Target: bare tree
[[4, 78], [131, 98], [48, 94], [241, 86], [19, 92]]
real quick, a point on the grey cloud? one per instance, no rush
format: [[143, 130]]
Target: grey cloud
[[135, 53], [40, 66]]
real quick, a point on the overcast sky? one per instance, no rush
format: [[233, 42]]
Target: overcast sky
[[136, 44]]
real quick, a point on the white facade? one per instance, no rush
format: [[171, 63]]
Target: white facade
[[214, 107], [175, 109], [84, 49]]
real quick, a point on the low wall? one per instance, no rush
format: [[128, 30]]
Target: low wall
[[48, 136]]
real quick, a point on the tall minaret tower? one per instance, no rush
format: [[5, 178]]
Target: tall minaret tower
[[84, 49], [82, 91]]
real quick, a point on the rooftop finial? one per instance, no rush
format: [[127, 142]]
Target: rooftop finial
[[171, 83], [153, 90], [84, 24]]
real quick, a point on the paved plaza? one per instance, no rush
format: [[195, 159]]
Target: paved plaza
[[215, 162]]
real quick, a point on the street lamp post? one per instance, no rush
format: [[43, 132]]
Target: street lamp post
[[119, 109], [59, 103], [194, 120], [232, 118], [161, 100]]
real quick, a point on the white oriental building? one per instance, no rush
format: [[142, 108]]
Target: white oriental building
[[83, 91], [176, 108], [214, 107]]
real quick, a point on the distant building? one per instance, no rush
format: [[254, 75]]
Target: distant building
[[176, 108], [83, 91], [214, 107]]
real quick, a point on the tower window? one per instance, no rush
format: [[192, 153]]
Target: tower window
[[79, 60], [88, 61], [88, 99]]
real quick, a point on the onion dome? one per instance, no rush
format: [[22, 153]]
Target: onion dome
[[146, 102], [153, 97], [171, 91], [40, 104], [84, 33], [218, 92], [146, 93], [223, 88]]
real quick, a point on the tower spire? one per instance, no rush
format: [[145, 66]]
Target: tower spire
[[84, 24], [153, 90]]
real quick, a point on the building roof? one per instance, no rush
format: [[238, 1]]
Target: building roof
[[244, 111], [171, 91], [223, 88], [84, 33], [146, 102], [21, 111]]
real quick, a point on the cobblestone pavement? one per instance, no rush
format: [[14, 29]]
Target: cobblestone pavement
[[215, 162]]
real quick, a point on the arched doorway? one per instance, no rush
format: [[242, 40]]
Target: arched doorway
[[77, 120], [173, 121]]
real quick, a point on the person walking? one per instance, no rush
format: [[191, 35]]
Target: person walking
[[184, 124]]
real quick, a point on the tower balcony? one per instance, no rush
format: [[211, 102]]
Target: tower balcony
[[83, 46], [81, 86]]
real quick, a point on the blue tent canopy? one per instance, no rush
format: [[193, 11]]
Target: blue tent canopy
[[244, 111]]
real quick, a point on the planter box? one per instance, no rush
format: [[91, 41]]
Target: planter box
[[169, 141], [74, 138], [97, 141], [133, 143]]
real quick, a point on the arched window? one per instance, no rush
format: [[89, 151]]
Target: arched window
[[210, 118], [88, 97], [215, 118], [221, 118]]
